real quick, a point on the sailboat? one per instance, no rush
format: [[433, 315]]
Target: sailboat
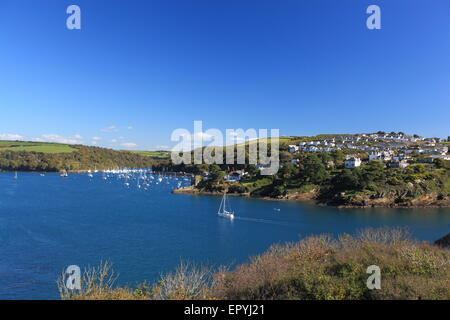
[[64, 174], [15, 175], [223, 212]]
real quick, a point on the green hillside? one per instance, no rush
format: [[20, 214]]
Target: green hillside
[[268, 140], [45, 147], [43, 156], [153, 154]]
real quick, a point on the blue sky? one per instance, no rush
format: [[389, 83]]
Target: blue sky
[[137, 70]]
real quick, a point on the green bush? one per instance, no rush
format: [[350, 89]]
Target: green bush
[[237, 188]]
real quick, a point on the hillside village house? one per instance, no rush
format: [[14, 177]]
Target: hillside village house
[[264, 169], [380, 146], [436, 156], [398, 164], [401, 157], [235, 176], [352, 162], [381, 155]]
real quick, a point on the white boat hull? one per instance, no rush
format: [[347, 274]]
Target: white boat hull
[[226, 215], [223, 212]]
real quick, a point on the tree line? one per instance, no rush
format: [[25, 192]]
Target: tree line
[[84, 158]]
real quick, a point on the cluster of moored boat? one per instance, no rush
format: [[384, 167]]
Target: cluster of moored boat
[[142, 178]]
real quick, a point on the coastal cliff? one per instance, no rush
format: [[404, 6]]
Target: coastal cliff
[[363, 201]]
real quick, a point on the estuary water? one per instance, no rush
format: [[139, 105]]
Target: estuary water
[[48, 223]]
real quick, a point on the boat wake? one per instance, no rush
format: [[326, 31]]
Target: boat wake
[[281, 223]]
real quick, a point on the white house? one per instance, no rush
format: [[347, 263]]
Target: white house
[[264, 169], [374, 156], [398, 164], [312, 149], [438, 156], [442, 150], [380, 155], [352, 162], [293, 148], [235, 176]]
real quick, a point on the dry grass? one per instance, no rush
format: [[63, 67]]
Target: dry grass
[[318, 267], [97, 283], [323, 268], [187, 282]]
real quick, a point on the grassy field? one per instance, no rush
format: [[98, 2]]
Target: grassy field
[[295, 140], [44, 147], [267, 140], [48, 147], [153, 154]]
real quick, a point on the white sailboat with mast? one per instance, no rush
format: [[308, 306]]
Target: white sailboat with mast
[[224, 210]]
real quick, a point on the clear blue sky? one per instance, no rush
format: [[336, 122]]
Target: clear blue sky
[[141, 69]]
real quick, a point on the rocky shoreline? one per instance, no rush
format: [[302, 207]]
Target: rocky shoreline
[[310, 197], [443, 242]]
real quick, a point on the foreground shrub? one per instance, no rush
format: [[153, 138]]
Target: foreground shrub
[[187, 282], [318, 267], [97, 283], [322, 268]]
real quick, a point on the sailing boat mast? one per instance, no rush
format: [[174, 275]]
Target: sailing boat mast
[[220, 206], [223, 208], [225, 202]]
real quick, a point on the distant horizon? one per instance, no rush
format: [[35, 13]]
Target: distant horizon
[[138, 70], [206, 143]]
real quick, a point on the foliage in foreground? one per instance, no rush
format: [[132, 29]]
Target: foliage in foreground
[[316, 268]]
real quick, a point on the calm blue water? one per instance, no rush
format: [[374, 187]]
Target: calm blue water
[[48, 223]]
